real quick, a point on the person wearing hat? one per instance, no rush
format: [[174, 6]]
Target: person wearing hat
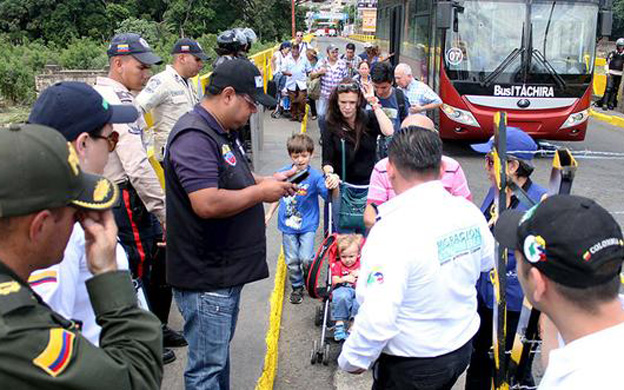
[[87, 124], [569, 253], [140, 216], [331, 70], [44, 192], [520, 151], [170, 94], [216, 233], [420, 264]]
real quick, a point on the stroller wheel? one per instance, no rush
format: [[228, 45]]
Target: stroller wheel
[[318, 318], [314, 352], [326, 355]]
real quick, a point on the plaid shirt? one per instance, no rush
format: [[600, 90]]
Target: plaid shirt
[[333, 77], [419, 93], [355, 62]]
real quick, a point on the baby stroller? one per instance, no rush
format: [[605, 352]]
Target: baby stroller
[[283, 101]]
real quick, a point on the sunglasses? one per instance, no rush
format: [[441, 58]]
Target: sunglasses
[[112, 140], [352, 87], [248, 99]]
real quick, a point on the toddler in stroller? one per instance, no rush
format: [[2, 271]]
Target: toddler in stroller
[[345, 270]]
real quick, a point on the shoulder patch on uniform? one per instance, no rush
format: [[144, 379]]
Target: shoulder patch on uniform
[[58, 353], [44, 277], [375, 276], [153, 84], [228, 155], [124, 96], [13, 296]]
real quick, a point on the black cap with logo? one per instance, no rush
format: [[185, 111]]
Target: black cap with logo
[[72, 108], [244, 77], [40, 170], [571, 239], [132, 44], [189, 46]]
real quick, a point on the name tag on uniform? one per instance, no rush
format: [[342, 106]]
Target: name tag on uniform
[[458, 243]]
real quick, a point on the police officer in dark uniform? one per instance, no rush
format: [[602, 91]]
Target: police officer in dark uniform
[[615, 67], [43, 193], [229, 43], [216, 238]]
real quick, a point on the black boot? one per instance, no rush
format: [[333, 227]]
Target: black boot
[[173, 339], [168, 356]]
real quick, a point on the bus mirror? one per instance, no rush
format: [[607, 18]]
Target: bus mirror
[[605, 23], [444, 17]]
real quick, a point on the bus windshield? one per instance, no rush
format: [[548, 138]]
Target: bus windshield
[[490, 42]]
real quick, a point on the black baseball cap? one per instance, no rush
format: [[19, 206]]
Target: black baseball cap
[[570, 239], [41, 170], [72, 108], [189, 46], [244, 77], [132, 44]]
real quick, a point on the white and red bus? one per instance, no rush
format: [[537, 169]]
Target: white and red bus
[[533, 59]]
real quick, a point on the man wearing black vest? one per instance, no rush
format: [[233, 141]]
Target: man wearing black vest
[[216, 233]]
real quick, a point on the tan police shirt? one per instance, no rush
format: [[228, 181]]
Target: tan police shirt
[[167, 96], [129, 160]]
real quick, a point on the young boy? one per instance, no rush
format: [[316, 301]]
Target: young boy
[[298, 216], [345, 271]]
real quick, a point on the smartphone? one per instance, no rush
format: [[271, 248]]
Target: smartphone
[[298, 177]]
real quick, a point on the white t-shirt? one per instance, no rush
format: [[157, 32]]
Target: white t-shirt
[[420, 265], [63, 286], [592, 362]]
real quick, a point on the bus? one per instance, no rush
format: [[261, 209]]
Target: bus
[[533, 59]]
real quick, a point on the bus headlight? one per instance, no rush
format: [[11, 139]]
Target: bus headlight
[[576, 119], [460, 116]]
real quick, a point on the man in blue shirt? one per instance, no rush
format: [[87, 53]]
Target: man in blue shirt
[[421, 97]]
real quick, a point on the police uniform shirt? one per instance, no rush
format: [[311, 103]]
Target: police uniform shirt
[[63, 286], [129, 160], [167, 96], [416, 287]]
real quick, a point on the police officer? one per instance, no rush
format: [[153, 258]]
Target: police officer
[[420, 264], [141, 213], [170, 94], [43, 193], [216, 240], [615, 66]]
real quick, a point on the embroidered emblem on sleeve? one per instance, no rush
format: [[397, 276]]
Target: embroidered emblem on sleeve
[[57, 354], [43, 277]]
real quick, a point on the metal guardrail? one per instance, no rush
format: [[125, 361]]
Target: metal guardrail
[[362, 37]]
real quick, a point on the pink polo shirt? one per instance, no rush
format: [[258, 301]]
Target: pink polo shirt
[[453, 179]]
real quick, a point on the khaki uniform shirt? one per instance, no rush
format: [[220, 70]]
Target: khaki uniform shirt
[[129, 160], [167, 96], [39, 349]]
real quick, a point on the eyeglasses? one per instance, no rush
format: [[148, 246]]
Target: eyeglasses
[[489, 160], [351, 87], [299, 35], [112, 139], [249, 101]]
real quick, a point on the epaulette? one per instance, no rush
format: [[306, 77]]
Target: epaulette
[[13, 295], [125, 97]]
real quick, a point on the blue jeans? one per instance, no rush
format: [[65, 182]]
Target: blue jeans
[[209, 324], [344, 304], [298, 250]]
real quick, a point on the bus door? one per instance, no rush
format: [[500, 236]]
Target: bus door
[[396, 29]]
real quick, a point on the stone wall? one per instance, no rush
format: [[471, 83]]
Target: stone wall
[[54, 73]]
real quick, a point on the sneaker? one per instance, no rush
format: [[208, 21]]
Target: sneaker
[[313, 117], [296, 296], [340, 333], [168, 356]]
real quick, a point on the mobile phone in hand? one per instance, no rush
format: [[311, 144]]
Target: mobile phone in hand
[[298, 177]]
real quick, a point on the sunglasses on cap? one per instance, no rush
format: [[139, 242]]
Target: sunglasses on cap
[[112, 140], [350, 87]]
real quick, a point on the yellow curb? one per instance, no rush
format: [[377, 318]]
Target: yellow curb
[[265, 382], [611, 119]]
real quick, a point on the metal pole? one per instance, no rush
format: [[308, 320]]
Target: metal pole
[[293, 19]]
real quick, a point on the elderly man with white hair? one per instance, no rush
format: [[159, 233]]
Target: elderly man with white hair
[[421, 97]]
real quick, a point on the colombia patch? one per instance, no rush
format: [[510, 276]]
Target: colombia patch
[[58, 353], [39, 278]]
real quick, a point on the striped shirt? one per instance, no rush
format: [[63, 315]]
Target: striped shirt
[[333, 77]]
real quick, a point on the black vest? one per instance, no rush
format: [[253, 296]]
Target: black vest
[[616, 60], [209, 254]]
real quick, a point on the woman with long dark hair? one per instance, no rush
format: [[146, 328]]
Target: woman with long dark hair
[[350, 142]]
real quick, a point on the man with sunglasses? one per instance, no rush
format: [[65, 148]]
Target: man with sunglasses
[[87, 123], [140, 216], [216, 242], [520, 151], [303, 45]]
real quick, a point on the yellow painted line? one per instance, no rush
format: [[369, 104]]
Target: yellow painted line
[[304, 122], [611, 119], [265, 382]]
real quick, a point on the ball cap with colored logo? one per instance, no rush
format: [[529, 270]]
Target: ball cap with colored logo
[[244, 77], [520, 145], [132, 44], [40, 170], [189, 46], [72, 108], [570, 239]]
